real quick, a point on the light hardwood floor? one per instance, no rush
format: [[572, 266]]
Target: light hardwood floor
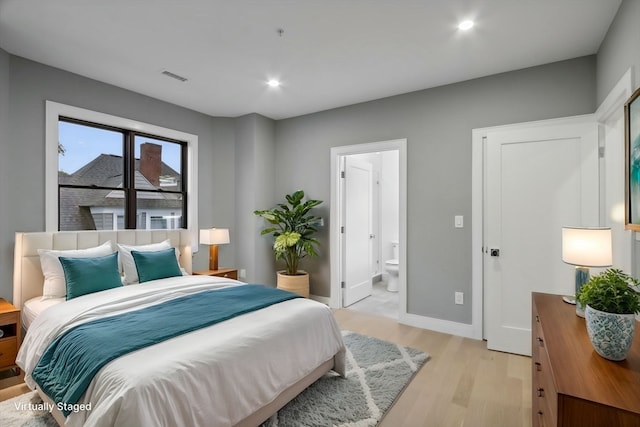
[[463, 384], [11, 384]]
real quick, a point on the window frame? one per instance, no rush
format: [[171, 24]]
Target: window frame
[[128, 183], [55, 110]]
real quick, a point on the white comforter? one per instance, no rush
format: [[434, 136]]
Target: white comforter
[[216, 376]]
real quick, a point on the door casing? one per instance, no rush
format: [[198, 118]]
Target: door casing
[[335, 299]]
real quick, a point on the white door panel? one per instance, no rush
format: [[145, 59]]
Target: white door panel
[[358, 231], [537, 181]]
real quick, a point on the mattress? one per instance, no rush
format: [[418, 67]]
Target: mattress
[[34, 307], [218, 375]]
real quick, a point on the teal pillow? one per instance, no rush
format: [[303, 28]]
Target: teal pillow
[[87, 275], [156, 265]]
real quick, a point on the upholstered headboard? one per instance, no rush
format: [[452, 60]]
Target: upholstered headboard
[[27, 273]]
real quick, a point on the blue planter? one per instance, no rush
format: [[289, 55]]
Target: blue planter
[[611, 334]]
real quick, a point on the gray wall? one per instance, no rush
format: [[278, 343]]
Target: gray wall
[[620, 49], [32, 83], [294, 154], [255, 151], [437, 124], [6, 233]]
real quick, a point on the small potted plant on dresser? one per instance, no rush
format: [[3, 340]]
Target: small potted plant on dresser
[[611, 300], [293, 228]]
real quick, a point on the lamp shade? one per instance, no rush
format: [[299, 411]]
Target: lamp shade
[[587, 247], [214, 236]]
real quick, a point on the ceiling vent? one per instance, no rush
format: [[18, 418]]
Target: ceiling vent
[[174, 76]]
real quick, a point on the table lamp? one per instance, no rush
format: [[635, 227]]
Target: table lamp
[[214, 237], [586, 247]]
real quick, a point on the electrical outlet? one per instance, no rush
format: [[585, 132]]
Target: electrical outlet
[[242, 273], [459, 298]]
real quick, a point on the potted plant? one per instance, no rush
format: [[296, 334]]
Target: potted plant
[[293, 228], [611, 303]]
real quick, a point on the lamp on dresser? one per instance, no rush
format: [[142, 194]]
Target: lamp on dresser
[[586, 247], [214, 237]]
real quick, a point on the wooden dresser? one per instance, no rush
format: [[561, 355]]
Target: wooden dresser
[[572, 384]]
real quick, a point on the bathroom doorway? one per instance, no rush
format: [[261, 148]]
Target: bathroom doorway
[[368, 228]]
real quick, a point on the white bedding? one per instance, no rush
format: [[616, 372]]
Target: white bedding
[[215, 376], [34, 307]]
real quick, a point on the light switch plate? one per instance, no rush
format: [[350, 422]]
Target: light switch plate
[[459, 298], [458, 221]]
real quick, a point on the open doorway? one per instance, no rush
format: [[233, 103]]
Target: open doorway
[[368, 227]]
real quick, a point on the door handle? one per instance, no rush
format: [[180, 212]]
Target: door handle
[[494, 252], [372, 236]]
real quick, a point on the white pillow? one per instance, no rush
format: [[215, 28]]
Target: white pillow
[[129, 265], [54, 282]]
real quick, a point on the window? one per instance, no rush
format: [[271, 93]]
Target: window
[[109, 173], [103, 221]]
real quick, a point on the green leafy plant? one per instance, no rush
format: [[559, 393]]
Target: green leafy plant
[[611, 291], [293, 228]]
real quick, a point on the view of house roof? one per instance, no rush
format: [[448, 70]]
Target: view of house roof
[[106, 170]]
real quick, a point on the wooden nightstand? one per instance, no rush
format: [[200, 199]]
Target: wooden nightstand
[[229, 273], [10, 340]]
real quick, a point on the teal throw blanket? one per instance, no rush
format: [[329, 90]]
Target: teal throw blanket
[[70, 362]]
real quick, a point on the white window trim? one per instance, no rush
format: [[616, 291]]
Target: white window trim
[[53, 112]]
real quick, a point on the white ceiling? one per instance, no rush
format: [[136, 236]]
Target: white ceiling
[[332, 52]]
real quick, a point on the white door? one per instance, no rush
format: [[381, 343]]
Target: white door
[[357, 230], [537, 180], [376, 267]]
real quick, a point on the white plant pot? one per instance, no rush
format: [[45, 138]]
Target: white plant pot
[[611, 334]]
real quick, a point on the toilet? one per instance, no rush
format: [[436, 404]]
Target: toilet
[[392, 268]]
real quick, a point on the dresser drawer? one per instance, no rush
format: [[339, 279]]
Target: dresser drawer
[[541, 419], [546, 387], [9, 318], [8, 351], [537, 334], [545, 401], [537, 343], [545, 392]]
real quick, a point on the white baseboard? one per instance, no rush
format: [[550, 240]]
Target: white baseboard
[[445, 326], [324, 300]]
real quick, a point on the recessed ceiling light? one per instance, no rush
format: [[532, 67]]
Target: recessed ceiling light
[[273, 83], [465, 25]]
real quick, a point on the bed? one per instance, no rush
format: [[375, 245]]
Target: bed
[[236, 372]]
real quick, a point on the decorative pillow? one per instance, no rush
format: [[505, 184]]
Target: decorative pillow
[[129, 265], [54, 282], [156, 265], [87, 275]]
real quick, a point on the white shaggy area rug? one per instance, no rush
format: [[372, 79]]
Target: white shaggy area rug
[[377, 372]]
